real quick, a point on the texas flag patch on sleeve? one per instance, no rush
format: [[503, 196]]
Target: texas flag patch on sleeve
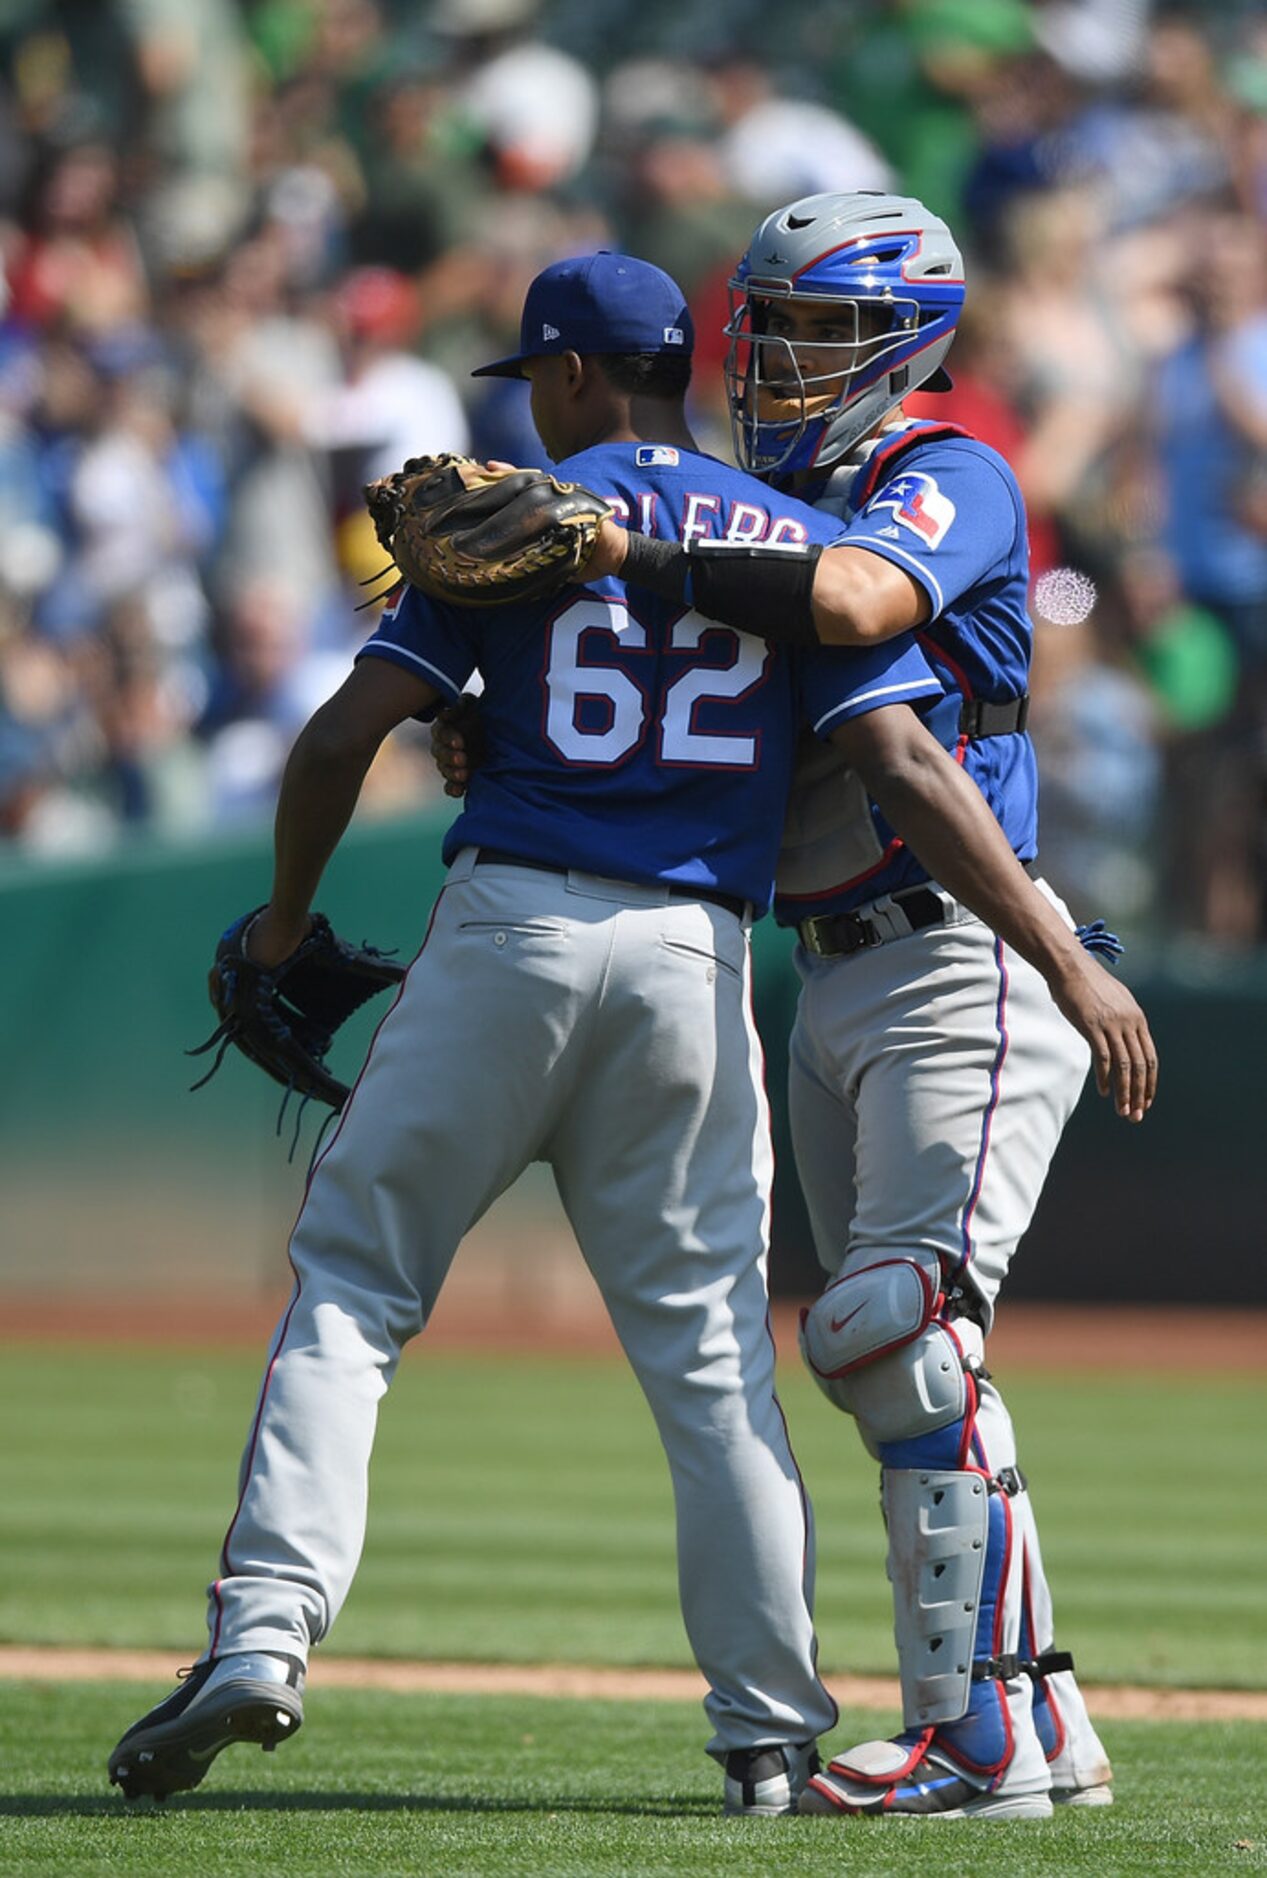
[[918, 504]]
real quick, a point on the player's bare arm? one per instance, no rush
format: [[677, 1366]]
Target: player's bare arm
[[796, 593], [858, 599], [320, 787], [945, 820], [790, 592]]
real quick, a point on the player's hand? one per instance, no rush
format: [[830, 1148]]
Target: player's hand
[[1122, 1049], [270, 938], [608, 556], [457, 745]]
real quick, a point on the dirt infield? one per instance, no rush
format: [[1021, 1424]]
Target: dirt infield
[[1111, 1702], [569, 1319]]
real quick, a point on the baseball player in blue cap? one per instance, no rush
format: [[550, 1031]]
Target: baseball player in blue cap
[[932, 1069], [584, 979]]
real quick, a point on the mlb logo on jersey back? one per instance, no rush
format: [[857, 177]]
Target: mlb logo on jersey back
[[649, 455], [918, 504]]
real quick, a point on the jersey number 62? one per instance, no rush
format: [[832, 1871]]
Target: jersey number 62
[[599, 714]]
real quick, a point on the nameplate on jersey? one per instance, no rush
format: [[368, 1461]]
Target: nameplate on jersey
[[655, 456], [918, 505]]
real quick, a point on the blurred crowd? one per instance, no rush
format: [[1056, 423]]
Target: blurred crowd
[[251, 250]]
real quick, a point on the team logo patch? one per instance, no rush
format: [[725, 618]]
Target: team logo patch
[[649, 455], [918, 504]]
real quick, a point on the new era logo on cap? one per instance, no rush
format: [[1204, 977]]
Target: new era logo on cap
[[550, 332]]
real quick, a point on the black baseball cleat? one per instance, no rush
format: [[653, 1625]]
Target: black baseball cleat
[[766, 1782], [251, 1696]]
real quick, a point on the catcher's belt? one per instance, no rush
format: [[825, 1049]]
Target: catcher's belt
[[893, 916]]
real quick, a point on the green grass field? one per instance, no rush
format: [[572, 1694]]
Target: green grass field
[[520, 1512], [393, 1784]]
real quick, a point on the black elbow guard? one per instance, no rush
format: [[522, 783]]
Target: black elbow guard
[[760, 589]]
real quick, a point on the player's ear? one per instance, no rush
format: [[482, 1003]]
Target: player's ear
[[577, 372]]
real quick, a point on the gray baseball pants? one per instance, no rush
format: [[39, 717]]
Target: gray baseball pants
[[606, 1029], [930, 1081]]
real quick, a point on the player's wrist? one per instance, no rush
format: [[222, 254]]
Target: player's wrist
[[1066, 967], [274, 934], [610, 550]]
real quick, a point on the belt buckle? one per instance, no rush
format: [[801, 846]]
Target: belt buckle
[[810, 930], [844, 933]]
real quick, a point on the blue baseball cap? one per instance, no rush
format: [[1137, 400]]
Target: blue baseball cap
[[600, 302]]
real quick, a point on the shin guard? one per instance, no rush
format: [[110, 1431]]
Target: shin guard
[[938, 1525]]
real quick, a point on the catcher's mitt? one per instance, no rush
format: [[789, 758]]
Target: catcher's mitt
[[475, 536], [284, 1017]]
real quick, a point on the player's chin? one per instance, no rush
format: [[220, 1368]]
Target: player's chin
[[783, 404], [779, 405]]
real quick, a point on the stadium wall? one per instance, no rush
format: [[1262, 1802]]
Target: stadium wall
[[115, 1179]]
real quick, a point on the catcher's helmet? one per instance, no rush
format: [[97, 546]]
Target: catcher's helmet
[[892, 272]]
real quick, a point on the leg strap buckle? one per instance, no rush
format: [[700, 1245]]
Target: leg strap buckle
[[998, 1668]]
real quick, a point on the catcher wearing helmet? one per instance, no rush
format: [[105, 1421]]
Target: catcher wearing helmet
[[932, 1070]]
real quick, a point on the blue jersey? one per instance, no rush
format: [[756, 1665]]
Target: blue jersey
[[946, 509], [626, 736]]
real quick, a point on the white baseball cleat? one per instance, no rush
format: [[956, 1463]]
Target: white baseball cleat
[[762, 1783], [1100, 1793], [249, 1696], [1080, 1770], [911, 1778]]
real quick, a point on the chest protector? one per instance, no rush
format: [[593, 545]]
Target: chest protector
[[829, 836]]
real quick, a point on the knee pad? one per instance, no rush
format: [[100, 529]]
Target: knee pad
[[873, 1347]]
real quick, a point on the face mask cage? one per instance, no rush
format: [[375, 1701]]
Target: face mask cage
[[779, 387]]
